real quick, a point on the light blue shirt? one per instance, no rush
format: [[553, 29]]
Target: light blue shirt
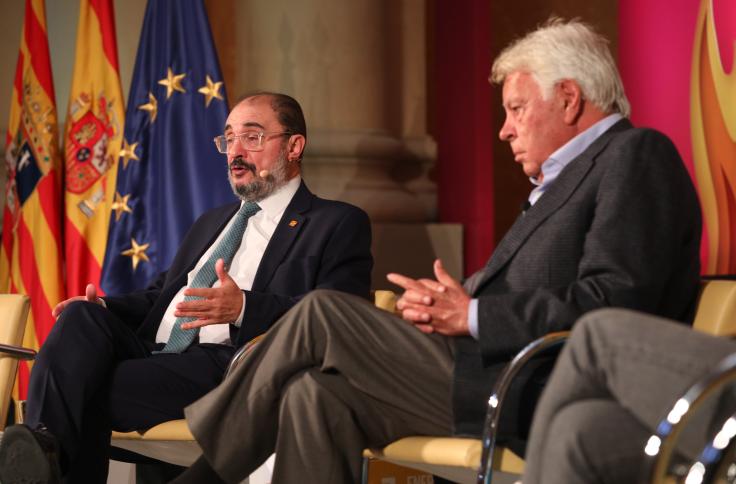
[[551, 168], [558, 160]]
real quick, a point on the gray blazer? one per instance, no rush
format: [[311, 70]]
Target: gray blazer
[[620, 226]]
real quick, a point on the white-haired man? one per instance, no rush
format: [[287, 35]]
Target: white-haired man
[[613, 220]]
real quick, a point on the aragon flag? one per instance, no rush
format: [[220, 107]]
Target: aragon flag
[[92, 141], [30, 256], [169, 171]]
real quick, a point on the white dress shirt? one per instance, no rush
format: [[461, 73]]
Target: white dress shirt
[[244, 265]]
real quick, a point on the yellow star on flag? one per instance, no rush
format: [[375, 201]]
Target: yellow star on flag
[[151, 106], [172, 82], [210, 90], [137, 252], [120, 205], [127, 152]]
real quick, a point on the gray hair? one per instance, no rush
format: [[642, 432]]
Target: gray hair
[[561, 50]]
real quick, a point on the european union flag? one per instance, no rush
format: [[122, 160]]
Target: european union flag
[[169, 170]]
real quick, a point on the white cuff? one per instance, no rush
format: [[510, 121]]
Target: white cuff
[[473, 318], [238, 322]]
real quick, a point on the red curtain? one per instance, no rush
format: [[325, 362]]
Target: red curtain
[[463, 123]]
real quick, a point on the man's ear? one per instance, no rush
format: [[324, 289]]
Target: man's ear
[[572, 98], [295, 147]]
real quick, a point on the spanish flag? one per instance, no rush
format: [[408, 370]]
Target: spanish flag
[[30, 256], [92, 143]]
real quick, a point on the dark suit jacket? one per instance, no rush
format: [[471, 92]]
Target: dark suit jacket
[[620, 226], [327, 247]]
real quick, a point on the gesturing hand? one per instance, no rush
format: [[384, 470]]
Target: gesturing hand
[[218, 305], [90, 295], [430, 305]]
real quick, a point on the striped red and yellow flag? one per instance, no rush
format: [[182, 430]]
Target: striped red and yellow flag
[[92, 143], [30, 256]]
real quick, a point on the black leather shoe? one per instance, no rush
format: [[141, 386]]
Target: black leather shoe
[[29, 456]]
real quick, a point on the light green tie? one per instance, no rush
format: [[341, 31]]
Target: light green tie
[[180, 339]]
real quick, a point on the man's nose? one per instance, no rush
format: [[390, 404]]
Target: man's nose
[[507, 132], [236, 149]]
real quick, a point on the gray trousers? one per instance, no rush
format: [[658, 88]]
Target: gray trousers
[[333, 376], [617, 377]]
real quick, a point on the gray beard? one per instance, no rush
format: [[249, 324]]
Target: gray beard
[[261, 188]]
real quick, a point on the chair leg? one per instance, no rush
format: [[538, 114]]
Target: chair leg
[[20, 411], [158, 473], [366, 468]]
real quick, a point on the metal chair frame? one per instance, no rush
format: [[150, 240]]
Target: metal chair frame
[[541, 346], [551, 342], [658, 461]]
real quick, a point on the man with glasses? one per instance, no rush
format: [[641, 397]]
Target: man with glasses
[[131, 362]]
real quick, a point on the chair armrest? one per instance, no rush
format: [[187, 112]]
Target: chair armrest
[[661, 446], [18, 352], [240, 354], [545, 345], [385, 299], [716, 462]]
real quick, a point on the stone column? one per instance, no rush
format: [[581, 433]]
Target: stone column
[[358, 68]]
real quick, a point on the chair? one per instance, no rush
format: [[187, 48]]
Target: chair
[[468, 460], [13, 315], [464, 459], [171, 441]]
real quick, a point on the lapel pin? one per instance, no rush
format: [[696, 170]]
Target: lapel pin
[[292, 223]]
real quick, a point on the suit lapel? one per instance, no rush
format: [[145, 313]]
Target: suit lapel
[[218, 223], [287, 231], [555, 197]]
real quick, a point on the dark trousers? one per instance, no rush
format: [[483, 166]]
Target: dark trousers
[[93, 374]]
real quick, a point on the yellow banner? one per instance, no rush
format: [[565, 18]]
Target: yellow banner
[[92, 141]]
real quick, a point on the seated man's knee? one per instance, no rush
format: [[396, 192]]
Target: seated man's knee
[[79, 317], [604, 316], [309, 306], [323, 304], [606, 324], [320, 296], [81, 311]]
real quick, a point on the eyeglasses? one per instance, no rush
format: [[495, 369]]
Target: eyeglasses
[[250, 140]]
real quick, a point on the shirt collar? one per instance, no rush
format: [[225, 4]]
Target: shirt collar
[[274, 205], [558, 160], [570, 150]]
